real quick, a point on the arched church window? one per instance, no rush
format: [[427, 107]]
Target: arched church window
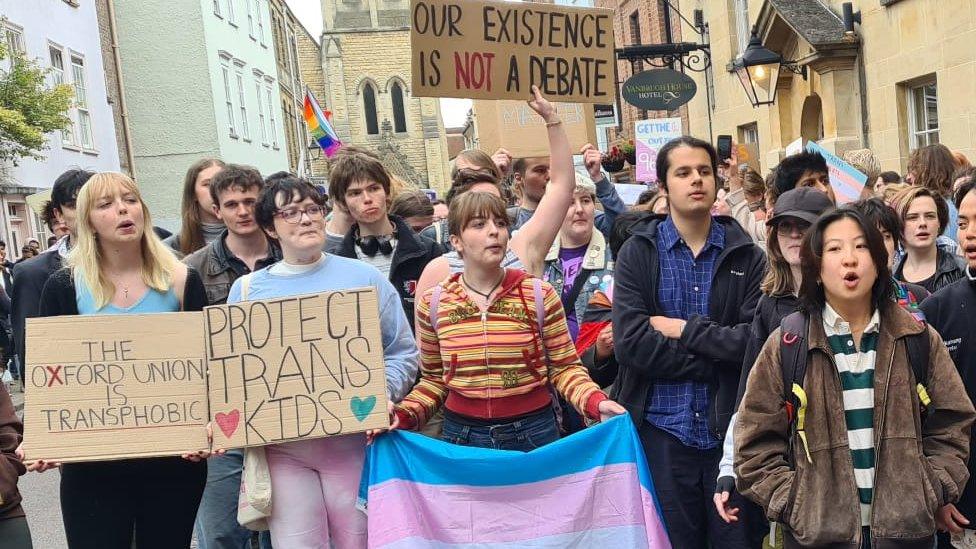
[[369, 109], [399, 114]]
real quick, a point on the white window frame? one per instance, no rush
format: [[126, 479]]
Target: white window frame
[[250, 18], [262, 119], [231, 18], [260, 18], [216, 8], [15, 30], [743, 30], [228, 98], [242, 99], [919, 137], [68, 136], [272, 119], [86, 139]]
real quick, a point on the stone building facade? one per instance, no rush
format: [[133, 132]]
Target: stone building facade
[[903, 78], [285, 29], [310, 65], [365, 53]]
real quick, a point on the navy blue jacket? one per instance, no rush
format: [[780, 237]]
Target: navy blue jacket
[[710, 350]]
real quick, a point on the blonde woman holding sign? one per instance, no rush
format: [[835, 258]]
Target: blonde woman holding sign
[[120, 267], [315, 482]]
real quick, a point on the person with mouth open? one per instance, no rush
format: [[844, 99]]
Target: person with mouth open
[[925, 263], [492, 341], [860, 466], [950, 311], [118, 267]]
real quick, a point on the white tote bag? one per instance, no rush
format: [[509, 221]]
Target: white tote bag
[[254, 501]]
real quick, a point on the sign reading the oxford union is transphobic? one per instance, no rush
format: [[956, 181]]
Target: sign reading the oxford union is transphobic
[[484, 49], [296, 367], [115, 387]]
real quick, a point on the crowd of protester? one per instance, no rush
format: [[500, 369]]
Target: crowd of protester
[[799, 372]]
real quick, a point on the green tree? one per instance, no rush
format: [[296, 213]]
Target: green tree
[[29, 109]]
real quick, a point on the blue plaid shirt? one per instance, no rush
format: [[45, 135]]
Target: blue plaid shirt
[[684, 287]]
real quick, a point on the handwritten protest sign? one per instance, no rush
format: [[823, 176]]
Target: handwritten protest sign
[[516, 127], [295, 367], [651, 136], [484, 49], [115, 387], [845, 179]]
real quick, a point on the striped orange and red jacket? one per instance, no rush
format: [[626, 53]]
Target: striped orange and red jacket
[[492, 365]]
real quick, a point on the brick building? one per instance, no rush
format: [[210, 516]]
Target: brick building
[[641, 22], [310, 66]]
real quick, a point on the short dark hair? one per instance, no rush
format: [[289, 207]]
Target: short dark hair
[[51, 240], [646, 197], [411, 204], [890, 177], [67, 185], [349, 167], [47, 215], [811, 294], [664, 160], [234, 176], [278, 175], [293, 188], [792, 168], [963, 190], [881, 214], [624, 226]]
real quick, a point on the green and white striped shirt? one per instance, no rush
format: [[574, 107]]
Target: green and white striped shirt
[[856, 369]]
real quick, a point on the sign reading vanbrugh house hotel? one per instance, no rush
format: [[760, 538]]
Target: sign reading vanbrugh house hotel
[[659, 90]]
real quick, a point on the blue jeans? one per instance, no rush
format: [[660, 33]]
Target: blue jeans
[[216, 525], [524, 434]]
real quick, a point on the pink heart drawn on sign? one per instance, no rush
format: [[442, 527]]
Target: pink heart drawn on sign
[[228, 422]]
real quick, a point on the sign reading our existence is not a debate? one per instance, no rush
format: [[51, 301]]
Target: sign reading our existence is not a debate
[[490, 49]]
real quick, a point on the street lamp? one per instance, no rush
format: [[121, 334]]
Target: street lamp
[[758, 70]]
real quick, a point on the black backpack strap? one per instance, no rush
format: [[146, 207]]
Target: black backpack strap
[[793, 363], [919, 347]]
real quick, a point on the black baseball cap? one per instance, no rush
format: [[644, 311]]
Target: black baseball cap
[[805, 203]]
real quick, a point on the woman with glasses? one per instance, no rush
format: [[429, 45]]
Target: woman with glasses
[[315, 482]]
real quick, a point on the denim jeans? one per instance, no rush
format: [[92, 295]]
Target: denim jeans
[[524, 434], [216, 525]]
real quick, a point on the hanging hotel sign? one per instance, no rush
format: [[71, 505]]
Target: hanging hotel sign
[[659, 89]]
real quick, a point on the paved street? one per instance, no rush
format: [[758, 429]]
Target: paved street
[[40, 492]]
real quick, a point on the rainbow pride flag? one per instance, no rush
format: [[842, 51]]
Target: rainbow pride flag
[[319, 126], [592, 489]]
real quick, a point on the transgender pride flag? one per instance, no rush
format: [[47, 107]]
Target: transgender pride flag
[[592, 489]]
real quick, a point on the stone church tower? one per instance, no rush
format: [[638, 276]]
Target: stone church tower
[[366, 61]]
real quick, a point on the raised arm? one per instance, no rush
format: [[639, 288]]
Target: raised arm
[[532, 242]]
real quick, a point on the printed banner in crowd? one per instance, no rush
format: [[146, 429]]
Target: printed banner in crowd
[[489, 49], [651, 136], [846, 180], [592, 489]]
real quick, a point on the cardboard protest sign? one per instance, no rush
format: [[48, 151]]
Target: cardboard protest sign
[[296, 367], [651, 136], [482, 49], [516, 127], [845, 179], [115, 387], [747, 154]]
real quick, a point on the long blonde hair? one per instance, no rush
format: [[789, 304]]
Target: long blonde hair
[[85, 260]]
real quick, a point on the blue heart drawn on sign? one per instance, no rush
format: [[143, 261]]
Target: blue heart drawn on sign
[[361, 407]]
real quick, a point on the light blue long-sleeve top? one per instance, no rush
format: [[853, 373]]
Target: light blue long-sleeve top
[[333, 273]]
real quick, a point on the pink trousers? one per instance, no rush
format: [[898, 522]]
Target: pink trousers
[[314, 485]]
